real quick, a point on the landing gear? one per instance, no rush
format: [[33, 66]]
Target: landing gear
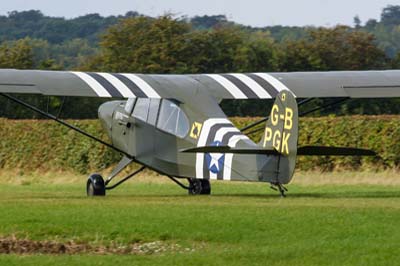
[[199, 187], [279, 187], [95, 185]]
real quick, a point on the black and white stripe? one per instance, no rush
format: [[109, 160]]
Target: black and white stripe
[[222, 130], [216, 133], [250, 86], [118, 85]]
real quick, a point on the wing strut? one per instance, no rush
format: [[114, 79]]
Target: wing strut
[[52, 117], [267, 117], [329, 105]]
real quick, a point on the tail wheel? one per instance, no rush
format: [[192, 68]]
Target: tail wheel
[[199, 187], [95, 186]]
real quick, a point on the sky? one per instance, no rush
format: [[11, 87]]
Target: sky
[[248, 12]]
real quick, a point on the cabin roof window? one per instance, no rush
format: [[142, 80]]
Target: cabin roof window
[[172, 119], [141, 110], [129, 105]]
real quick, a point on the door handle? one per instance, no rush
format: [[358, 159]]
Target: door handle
[[123, 123]]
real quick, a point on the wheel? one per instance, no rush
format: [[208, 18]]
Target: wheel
[[205, 187], [95, 186], [199, 187]]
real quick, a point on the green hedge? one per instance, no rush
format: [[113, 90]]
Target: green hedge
[[45, 145]]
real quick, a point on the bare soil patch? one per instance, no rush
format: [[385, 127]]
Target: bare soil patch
[[13, 245]]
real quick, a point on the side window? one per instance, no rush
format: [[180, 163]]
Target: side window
[[153, 112], [129, 105], [141, 110], [172, 119]]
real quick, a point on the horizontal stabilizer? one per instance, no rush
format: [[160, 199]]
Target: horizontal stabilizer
[[227, 149], [338, 151]]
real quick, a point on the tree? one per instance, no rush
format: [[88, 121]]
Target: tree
[[208, 22], [357, 22], [16, 54], [338, 48], [143, 45], [391, 15]]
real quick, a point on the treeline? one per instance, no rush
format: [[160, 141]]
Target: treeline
[[64, 150], [135, 43]]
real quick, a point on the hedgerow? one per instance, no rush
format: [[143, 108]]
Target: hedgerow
[[44, 145]]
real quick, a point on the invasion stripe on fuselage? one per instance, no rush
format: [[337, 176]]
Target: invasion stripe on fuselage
[[203, 140], [92, 83], [107, 85], [229, 135], [217, 133], [229, 156], [131, 85]]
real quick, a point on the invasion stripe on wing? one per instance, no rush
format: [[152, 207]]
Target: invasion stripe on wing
[[143, 85], [250, 86], [273, 81], [92, 83], [254, 86], [118, 84], [229, 86], [131, 85], [265, 84], [242, 86], [106, 84]]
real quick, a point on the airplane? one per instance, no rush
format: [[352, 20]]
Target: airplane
[[174, 125]]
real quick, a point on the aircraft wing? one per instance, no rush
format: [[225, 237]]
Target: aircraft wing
[[353, 84]]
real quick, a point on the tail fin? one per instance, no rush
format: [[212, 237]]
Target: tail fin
[[281, 134]]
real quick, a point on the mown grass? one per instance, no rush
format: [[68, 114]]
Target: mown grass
[[240, 224]]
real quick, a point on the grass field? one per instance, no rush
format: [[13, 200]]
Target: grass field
[[328, 219]]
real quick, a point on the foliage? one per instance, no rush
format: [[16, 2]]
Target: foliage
[[56, 30], [143, 45], [167, 45], [337, 48], [378, 133], [60, 148], [16, 55], [30, 144], [133, 43]]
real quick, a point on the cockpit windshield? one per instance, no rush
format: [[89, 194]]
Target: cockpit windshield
[[172, 119]]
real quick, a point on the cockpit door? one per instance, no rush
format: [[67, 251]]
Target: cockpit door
[[122, 125], [144, 118]]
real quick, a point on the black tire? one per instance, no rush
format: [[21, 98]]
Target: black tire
[[205, 187], [95, 186], [199, 187]]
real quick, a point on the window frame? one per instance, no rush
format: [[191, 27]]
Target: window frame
[[177, 121], [147, 113], [133, 106]]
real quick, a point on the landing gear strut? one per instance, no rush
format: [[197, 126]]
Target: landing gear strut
[[96, 186], [196, 186], [279, 187]]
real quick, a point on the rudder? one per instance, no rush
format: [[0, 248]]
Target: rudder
[[281, 134]]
